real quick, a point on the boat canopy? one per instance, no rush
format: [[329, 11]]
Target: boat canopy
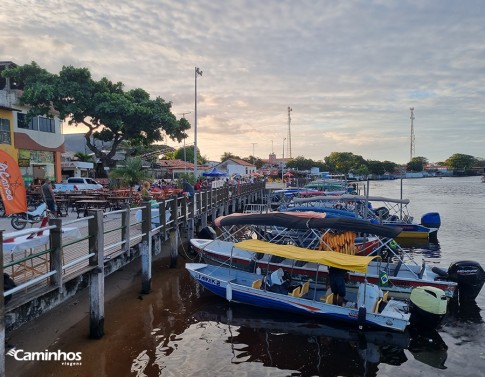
[[351, 198], [329, 258], [307, 220]]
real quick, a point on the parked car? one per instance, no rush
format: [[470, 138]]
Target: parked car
[[78, 183]]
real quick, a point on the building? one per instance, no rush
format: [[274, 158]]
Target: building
[[36, 144], [234, 166]]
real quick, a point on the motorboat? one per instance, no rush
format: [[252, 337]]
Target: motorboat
[[396, 271], [369, 307]]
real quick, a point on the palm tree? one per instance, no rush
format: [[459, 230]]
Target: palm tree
[[130, 173], [84, 157]]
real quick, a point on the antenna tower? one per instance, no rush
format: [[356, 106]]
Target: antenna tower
[[288, 151], [412, 149]]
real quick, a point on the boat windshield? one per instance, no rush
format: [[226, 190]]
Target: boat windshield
[[329, 258]]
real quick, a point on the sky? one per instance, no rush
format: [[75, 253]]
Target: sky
[[349, 70]]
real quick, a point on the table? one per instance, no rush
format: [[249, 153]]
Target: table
[[85, 205]]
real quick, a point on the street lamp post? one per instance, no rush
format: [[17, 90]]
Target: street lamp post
[[197, 72], [283, 161]]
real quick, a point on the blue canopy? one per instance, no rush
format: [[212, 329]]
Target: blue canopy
[[214, 173]]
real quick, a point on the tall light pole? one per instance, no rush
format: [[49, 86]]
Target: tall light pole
[[283, 161], [197, 72], [185, 152]]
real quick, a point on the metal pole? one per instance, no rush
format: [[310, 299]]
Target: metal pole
[[197, 72], [283, 161]]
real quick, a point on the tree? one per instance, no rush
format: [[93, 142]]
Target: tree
[[461, 161], [416, 164], [344, 162], [189, 155], [130, 173], [84, 157], [229, 155], [376, 167], [110, 113]]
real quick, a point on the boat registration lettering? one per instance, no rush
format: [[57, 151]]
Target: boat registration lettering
[[354, 313], [209, 280]]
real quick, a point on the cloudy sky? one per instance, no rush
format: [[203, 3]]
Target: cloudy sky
[[350, 70]]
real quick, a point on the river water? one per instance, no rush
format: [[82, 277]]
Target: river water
[[181, 330]]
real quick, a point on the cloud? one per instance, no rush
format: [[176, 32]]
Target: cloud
[[349, 70]]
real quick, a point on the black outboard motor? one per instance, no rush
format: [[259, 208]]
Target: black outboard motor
[[207, 233], [469, 275]]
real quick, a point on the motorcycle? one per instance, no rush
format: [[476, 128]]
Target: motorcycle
[[20, 220]]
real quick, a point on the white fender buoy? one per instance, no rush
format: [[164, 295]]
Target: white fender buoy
[[258, 271], [229, 292]]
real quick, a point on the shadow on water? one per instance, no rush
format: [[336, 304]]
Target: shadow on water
[[289, 342]]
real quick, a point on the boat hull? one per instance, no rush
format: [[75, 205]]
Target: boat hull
[[234, 285]]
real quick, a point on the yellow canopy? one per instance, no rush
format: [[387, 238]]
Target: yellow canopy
[[329, 258]]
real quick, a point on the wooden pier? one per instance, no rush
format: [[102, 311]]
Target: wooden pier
[[68, 256]]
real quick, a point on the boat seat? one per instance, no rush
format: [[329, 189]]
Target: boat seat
[[329, 299], [296, 292], [385, 298], [378, 303], [305, 288], [257, 284]]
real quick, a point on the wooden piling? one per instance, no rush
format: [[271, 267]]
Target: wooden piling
[[146, 248], [96, 277], [55, 259]]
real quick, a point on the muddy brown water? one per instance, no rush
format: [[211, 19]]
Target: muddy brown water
[[179, 329]]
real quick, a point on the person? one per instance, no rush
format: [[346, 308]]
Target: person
[[145, 192], [198, 185], [336, 277], [48, 195], [188, 188]]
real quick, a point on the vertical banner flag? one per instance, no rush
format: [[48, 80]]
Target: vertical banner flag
[[12, 187]]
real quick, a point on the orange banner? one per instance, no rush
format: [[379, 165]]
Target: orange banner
[[12, 187]]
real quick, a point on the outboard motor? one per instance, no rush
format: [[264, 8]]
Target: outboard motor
[[207, 233], [431, 220], [428, 306], [470, 277]]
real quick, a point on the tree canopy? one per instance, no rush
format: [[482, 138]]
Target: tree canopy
[[461, 161], [417, 164], [109, 113]]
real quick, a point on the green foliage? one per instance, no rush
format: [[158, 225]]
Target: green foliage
[[344, 162], [110, 113], [84, 157], [228, 155], [131, 172], [416, 164], [189, 155], [461, 161]]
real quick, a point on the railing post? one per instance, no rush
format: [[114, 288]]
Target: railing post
[[96, 276], [146, 248], [55, 259], [174, 246], [2, 313], [125, 228], [162, 218]]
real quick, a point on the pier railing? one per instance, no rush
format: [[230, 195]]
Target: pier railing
[[52, 264]]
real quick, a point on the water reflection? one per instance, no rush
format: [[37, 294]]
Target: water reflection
[[311, 348]]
